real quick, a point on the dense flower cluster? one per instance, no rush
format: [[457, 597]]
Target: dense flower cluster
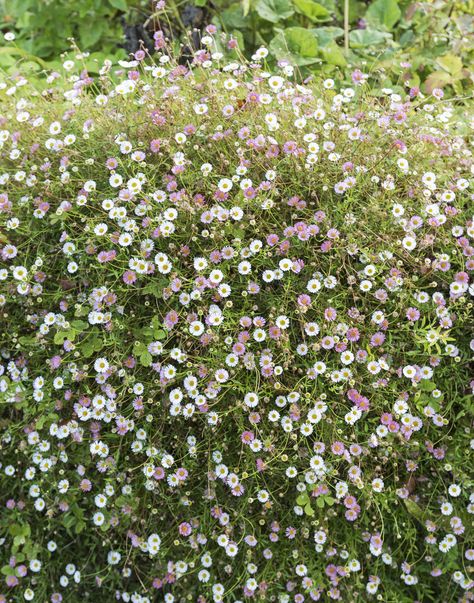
[[234, 356]]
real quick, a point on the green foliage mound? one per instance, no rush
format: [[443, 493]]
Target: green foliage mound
[[234, 318]]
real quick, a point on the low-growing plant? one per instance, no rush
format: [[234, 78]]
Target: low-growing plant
[[234, 315]]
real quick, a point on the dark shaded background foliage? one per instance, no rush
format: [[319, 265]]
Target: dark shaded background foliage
[[417, 44]]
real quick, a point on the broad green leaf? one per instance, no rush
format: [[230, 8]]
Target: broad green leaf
[[383, 13], [309, 510], [90, 34], [9, 51], [329, 4], [233, 18], [297, 44], [407, 38], [329, 500], [333, 54], [437, 79], [246, 7], [360, 38], [241, 38], [320, 502], [119, 4], [314, 11], [326, 35], [451, 63], [356, 10], [274, 10]]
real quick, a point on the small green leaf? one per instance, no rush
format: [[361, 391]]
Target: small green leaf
[[145, 358], [69, 520], [60, 336], [7, 570], [40, 422], [80, 527], [79, 325], [153, 288], [320, 502], [15, 529], [414, 509], [302, 499], [91, 345], [329, 500], [139, 348], [427, 386], [18, 540], [309, 510]]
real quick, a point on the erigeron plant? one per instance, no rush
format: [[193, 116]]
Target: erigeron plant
[[235, 346]]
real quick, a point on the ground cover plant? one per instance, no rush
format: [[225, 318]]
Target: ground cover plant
[[235, 344]]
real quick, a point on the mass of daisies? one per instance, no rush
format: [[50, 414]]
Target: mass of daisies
[[235, 312]]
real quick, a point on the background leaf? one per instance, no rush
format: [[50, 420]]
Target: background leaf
[[383, 13], [119, 4], [314, 11], [274, 10], [297, 44], [451, 63], [89, 35], [360, 38]]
